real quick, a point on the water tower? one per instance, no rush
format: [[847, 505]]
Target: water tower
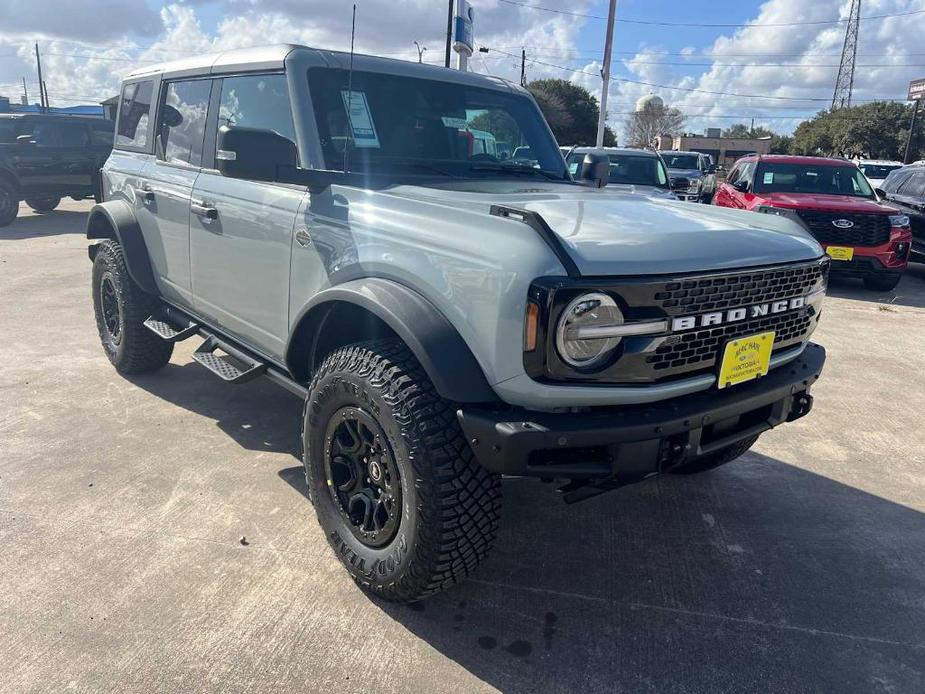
[[649, 101]]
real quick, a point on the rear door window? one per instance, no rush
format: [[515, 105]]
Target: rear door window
[[73, 134], [183, 121], [101, 133], [134, 114]]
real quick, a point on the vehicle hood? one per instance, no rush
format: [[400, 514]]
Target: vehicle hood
[[830, 203], [634, 189], [686, 173], [608, 232]]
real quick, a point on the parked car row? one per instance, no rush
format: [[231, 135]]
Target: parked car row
[[46, 157]]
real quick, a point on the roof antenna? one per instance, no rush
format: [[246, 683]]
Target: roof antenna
[[348, 143]]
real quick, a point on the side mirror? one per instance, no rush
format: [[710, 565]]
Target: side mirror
[[741, 186], [880, 193], [711, 169], [594, 170], [170, 116], [24, 140], [253, 153], [679, 184]]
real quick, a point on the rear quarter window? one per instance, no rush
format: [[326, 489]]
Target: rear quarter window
[[134, 115]]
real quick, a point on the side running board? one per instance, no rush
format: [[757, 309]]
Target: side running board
[[170, 326], [236, 367]]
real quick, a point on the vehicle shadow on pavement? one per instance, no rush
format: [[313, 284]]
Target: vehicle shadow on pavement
[[259, 417], [910, 291], [759, 576], [39, 225]]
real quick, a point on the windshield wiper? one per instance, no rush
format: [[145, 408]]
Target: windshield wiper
[[516, 169], [411, 163]]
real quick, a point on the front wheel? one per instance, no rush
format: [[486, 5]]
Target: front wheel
[[397, 491], [882, 283], [45, 204], [714, 460]]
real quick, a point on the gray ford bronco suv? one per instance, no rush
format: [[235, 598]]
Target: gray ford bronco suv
[[356, 229]]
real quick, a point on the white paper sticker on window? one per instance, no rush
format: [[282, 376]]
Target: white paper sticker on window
[[768, 177], [361, 120], [460, 123]]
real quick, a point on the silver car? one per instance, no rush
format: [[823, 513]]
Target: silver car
[[371, 235]]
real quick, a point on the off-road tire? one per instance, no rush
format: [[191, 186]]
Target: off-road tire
[[137, 349], [882, 283], [45, 204], [450, 505], [9, 203], [714, 460]]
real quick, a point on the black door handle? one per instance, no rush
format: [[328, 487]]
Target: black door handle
[[202, 209]]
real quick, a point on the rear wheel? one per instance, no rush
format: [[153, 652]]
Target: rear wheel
[[395, 486], [882, 283], [121, 308], [714, 460], [43, 204], [9, 204]]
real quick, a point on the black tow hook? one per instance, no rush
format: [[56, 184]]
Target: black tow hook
[[800, 406]]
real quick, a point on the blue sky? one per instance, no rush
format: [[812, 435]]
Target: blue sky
[[88, 45]]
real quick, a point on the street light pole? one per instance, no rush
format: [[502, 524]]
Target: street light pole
[[911, 135], [605, 73], [421, 50], [449, 33]]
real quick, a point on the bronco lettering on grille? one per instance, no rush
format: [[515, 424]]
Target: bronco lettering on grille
[[705, 320]]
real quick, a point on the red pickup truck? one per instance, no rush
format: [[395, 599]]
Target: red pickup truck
[[833, 201]]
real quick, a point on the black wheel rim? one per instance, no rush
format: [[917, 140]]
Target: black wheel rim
[[362, 476], [112, 314]]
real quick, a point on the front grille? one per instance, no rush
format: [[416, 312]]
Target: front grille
[[868, 229], [701, 348], [715, 293]]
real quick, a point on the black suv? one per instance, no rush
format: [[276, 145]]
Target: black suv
[[905, 189], [45, 157]]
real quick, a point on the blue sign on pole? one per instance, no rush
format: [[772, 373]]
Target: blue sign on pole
[[462, 40]]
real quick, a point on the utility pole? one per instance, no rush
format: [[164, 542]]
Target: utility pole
[[605, 73], [45, 92], [25, 93], [421, 50], [911, 135], [523, 67], [449, 33], [38, 64], [845, 82]]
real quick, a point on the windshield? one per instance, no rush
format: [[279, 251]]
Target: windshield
[[628, 169], [879, 171], [408, 125], [677, 160], [806, 178]]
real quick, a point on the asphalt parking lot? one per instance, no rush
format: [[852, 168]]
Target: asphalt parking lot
[[799, 568]]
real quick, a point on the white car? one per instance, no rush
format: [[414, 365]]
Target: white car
[[877, 170]]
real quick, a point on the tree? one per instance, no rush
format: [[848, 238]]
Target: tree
[[571, 111], [743, 131], [876, 130], [653, 120], [781, 144]]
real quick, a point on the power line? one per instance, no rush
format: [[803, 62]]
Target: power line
[[692, 90], [706, 25]]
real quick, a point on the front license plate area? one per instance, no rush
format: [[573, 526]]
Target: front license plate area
[[745, 359], [840, 252]]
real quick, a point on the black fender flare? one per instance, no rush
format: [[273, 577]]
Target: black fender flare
[[437, 345], [116, 217]]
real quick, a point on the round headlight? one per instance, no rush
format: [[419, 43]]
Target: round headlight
[[587, 311]]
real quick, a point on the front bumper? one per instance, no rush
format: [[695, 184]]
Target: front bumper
[[630, 443], [870, 260]]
